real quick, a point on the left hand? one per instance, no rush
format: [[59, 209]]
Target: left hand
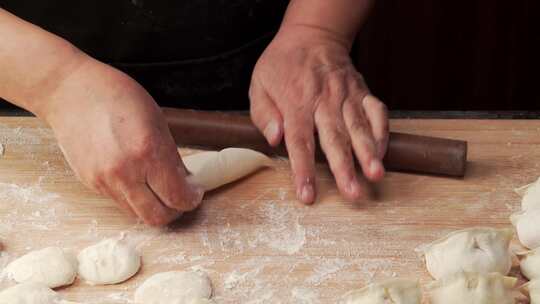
[[305, 81]]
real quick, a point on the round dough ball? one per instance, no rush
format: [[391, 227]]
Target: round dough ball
[[530, 195], [29, 293], [111, 261], [174, 287], [50, 266], [482, 250], [528, 230], [400, 291]]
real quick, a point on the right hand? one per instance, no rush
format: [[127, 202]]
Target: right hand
[[115, 138]]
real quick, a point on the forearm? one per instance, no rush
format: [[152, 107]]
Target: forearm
[[342, 18], [33, 62]]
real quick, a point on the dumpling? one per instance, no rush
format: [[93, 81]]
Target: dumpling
[[482, 250], [530, 195], [398, 291], [530, 264], [532, 288], [213, 169], [473, 288], [527, 227]]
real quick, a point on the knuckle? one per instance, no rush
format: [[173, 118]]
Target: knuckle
[[144, 148], [358, 124]]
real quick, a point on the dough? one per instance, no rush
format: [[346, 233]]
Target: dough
[[398, 291], [530, 195], [482, 250], [530, 264], [29, 293], [472, 288], [110, 261], [527, 227], [214, 169], [532, 288], [175, 287], [50, 266]]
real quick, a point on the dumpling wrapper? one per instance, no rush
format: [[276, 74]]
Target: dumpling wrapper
[[530, 195], [527, 227], [473, 288], [213, 169], [398, 291], [482, 250]]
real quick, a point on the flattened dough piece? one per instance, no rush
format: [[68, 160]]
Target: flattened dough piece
[[482, 250], [29, 293], [473, 288], [110, 261], [50, 266], [398, 291], [530, 195], [530, 264], [214, 169], [175, 287], [527, 227]]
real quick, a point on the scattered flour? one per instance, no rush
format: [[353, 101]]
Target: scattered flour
[[326, 270], [302, 295]]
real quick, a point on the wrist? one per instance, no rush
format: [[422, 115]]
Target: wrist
[[306, 33], [41, 95]]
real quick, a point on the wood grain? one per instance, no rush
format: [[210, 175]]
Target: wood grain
[[254, 240]]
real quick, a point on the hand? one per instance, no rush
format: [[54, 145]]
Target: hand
[[305, 81], [114, 137]]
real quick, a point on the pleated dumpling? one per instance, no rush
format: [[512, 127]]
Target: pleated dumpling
[[473, 288], [530, 264], [527, 227], [530, 195], [398, 291], [482, 250]]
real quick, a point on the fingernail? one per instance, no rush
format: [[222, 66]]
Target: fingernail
[[271, 131], [376, 168], [354, 189], [307, 194]]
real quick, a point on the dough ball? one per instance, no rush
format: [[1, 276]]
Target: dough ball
[[214, 169], [29, 293], [472, 288], [482, 250], [175, 287], [399, 291], [527, 227], [50, 266], [530, 196], [530, 264], [111, 261]]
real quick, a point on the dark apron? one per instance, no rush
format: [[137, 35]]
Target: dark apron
[[186, 53]]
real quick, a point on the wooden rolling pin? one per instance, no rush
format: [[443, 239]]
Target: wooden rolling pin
[[406, 152]]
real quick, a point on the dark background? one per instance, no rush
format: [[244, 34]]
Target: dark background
[[420, 55], [453, 55]]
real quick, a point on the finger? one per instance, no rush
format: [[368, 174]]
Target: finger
[[363, 143], [335, 142], [147, 206], [300, 143], [167, 179], [265, 114], [377, 115], [102, 187]]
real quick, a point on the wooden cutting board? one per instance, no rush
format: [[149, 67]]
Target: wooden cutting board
[[254, 240]]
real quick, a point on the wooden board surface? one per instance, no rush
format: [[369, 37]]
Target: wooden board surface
[[254, 240]]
